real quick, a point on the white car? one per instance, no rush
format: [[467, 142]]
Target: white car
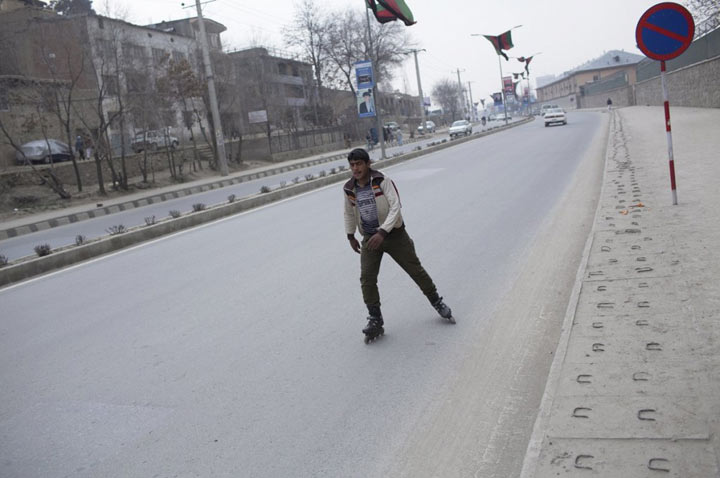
[[429, 127], [555, 115], [153, 140], [461, 127], [547, 107]]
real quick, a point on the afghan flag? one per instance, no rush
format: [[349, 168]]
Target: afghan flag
[[527, 61], [501, 42], [391, 10]]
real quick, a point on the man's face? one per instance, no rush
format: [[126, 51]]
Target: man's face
[[360, 170], [367, 99]]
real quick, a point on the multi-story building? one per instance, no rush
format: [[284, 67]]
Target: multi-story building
[[113, 70], [275, 82], [568, 88]]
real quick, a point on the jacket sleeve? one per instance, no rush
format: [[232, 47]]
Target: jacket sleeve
[[393, 199], [349, 215]]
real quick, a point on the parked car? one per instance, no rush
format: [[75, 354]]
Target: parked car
[[153, 140], [555, 115], [43, 151], [429, 126], [461, 127]]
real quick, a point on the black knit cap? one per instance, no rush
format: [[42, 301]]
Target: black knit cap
[[358, 153]]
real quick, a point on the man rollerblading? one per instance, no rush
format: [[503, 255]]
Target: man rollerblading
[[372, 206]]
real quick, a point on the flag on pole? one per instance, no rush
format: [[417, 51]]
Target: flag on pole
[[527, 61], [391, 10], [501, 42]]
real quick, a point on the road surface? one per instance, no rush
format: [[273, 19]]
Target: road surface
[[235, 348]]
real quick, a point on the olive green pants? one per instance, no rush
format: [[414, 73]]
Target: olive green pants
[[402, 249]]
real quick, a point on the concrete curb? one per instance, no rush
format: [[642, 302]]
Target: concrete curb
[[534, 448], [73, 254]]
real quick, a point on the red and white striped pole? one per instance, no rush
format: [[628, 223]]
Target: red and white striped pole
[[668, 129]]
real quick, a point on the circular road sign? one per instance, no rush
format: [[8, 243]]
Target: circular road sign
[[665, 31]]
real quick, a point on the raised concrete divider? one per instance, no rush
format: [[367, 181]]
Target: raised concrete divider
[[634, 389], [69, 255]]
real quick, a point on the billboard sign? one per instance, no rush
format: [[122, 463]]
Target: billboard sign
[[257, 116], [365, 103], [364, 75]]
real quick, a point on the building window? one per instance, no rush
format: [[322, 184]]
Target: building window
[[110, 85], [159, 55], [294, 91], [282, 68], [134, 82], [4, 100], [132, 51], [178, 56], [107, 48]]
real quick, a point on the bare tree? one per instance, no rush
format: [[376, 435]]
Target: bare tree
[[447, 94], [310, 34], [349, 43], [180, 83], [66, 70]]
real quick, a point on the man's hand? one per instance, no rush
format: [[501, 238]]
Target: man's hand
[[375, 241], [354, 244]]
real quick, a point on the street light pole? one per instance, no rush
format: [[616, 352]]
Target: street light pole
[[472, 105], [460, 90], [420, 91], [219, 137]]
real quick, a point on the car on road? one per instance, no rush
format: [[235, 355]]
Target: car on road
[[544, 108], [555, 115], [460, 127], [43, 151], [153, 140], [429, 127]]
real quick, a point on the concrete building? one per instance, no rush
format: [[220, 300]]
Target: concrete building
[[567, 90], [272, 81], [110, 66]]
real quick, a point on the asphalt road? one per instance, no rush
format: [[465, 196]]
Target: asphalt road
[[235, 348]]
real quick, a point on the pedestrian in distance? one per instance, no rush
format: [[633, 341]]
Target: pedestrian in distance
[[372, 207], [609, 104], [80, 146]]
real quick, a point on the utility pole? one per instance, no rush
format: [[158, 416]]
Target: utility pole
[[460, 90], [219, 138], [420, 91], [472, 105]]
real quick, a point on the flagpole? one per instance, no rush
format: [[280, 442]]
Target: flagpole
[[502, 90], [378, 120]]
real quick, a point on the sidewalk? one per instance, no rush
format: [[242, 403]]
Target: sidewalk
[[634, 389]]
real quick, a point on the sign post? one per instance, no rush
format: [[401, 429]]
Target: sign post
[[664, 32]]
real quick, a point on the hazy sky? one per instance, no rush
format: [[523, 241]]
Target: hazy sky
[[567, 32]]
